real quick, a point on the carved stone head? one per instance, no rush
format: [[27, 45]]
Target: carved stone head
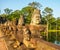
[[36, 17]]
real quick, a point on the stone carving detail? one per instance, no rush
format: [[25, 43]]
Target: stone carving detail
[[27, 38], [21, 20], [26, 34], [36, 17]]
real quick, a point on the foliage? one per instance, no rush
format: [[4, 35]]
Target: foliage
[[3, 15], [14, 15], [0, 11], [47, 11], [48, 16], [35, 5], [58, 23], [27, 12], [7, 11]]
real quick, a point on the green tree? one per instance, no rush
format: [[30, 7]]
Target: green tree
[[58, 23], [35, 5], [14, 15], [3, 15], [7, 11], [27, 12], [47, 12], [0, 11], [52, 23], [48, 15]]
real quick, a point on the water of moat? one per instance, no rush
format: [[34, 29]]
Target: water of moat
[[57, 43], [54, 37]]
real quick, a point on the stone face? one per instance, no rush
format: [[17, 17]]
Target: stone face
[[21, 20], [36, 17]]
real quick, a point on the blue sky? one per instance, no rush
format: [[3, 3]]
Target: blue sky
[[19, 4]]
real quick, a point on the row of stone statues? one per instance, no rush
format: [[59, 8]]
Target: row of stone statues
[[35, 19], [24, 34]]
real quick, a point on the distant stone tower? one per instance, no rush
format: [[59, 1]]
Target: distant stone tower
[[36, 17], [21, 20]]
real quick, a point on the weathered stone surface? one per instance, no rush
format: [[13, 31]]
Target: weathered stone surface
[[19, 34], [21, 20], [26, 33], [44, 45], [27, 38], [3, 44], [36, 17]]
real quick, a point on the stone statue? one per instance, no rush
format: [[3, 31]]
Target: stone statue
[[36, 17], [21, 20], [26, 33], [27, 40]]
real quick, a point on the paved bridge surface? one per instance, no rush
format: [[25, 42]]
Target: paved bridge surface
[[3, 45], [44, 45]]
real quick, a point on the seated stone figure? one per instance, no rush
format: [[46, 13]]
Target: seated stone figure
[[27, 40]]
